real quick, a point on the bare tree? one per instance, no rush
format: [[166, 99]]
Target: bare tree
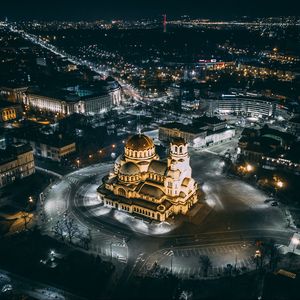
[[27, 217], [205, 263], [228, 270], [272, 253], [71, 228], [67, 228], [58, 230]]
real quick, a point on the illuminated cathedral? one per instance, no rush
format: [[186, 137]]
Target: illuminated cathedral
[[142, 184]]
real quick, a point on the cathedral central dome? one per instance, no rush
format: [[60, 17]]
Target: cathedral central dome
[[139, 142], [139, 146]]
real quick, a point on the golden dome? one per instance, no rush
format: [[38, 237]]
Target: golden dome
[[129, 168], [139, 142]]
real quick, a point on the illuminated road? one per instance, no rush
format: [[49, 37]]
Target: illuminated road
[[31, 288], [239, 214], [127, 88], [184, 261]]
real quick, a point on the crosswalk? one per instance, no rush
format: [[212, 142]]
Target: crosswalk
[[73, 180], [108, 246], [212, 250], [185, 261], [196, 272]]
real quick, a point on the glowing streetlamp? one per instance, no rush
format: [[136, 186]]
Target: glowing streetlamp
[[257, 254], [249, 168], [30, 200], [78, 163], [279, 184], [52, 254]]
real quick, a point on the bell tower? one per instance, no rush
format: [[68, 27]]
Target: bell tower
[[179, 158]]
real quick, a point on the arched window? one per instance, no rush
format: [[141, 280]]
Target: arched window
[[122, 192], [180, 149], [176, 149]]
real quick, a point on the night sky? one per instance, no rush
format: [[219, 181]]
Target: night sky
[[134, 9]]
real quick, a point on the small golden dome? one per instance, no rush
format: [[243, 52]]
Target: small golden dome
[[139, 142], [129, 168]]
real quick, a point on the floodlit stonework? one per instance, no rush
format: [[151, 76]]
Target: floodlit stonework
[[142, 184]]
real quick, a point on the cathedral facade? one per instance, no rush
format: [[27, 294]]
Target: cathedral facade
[[142, 184]]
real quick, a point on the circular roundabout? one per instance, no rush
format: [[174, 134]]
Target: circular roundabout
[[237, 217]]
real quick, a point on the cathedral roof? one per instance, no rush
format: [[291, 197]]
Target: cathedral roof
[[129, 168], [151, 191], [139, 142], [135, 201], [158, 167], [186, 181]]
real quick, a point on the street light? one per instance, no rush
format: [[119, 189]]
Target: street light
[[52, 254], [78, 163], [249, 168], [279, 184]]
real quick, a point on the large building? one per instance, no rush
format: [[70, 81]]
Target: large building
[[16, 162], [232, 104], [77, 99], [9, 111], [142, 184], [202, 132], [270, 148], [51, 146], [13, 93]]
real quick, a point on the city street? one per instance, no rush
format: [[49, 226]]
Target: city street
[[184, 261], [239, 216], [12, 284]]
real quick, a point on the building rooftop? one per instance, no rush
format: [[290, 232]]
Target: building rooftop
[[134, 201], [287, 137], [12, 151], [5, 104], [77, 92], [54, 140], [208, 120], [295, 120], [182, 127]]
